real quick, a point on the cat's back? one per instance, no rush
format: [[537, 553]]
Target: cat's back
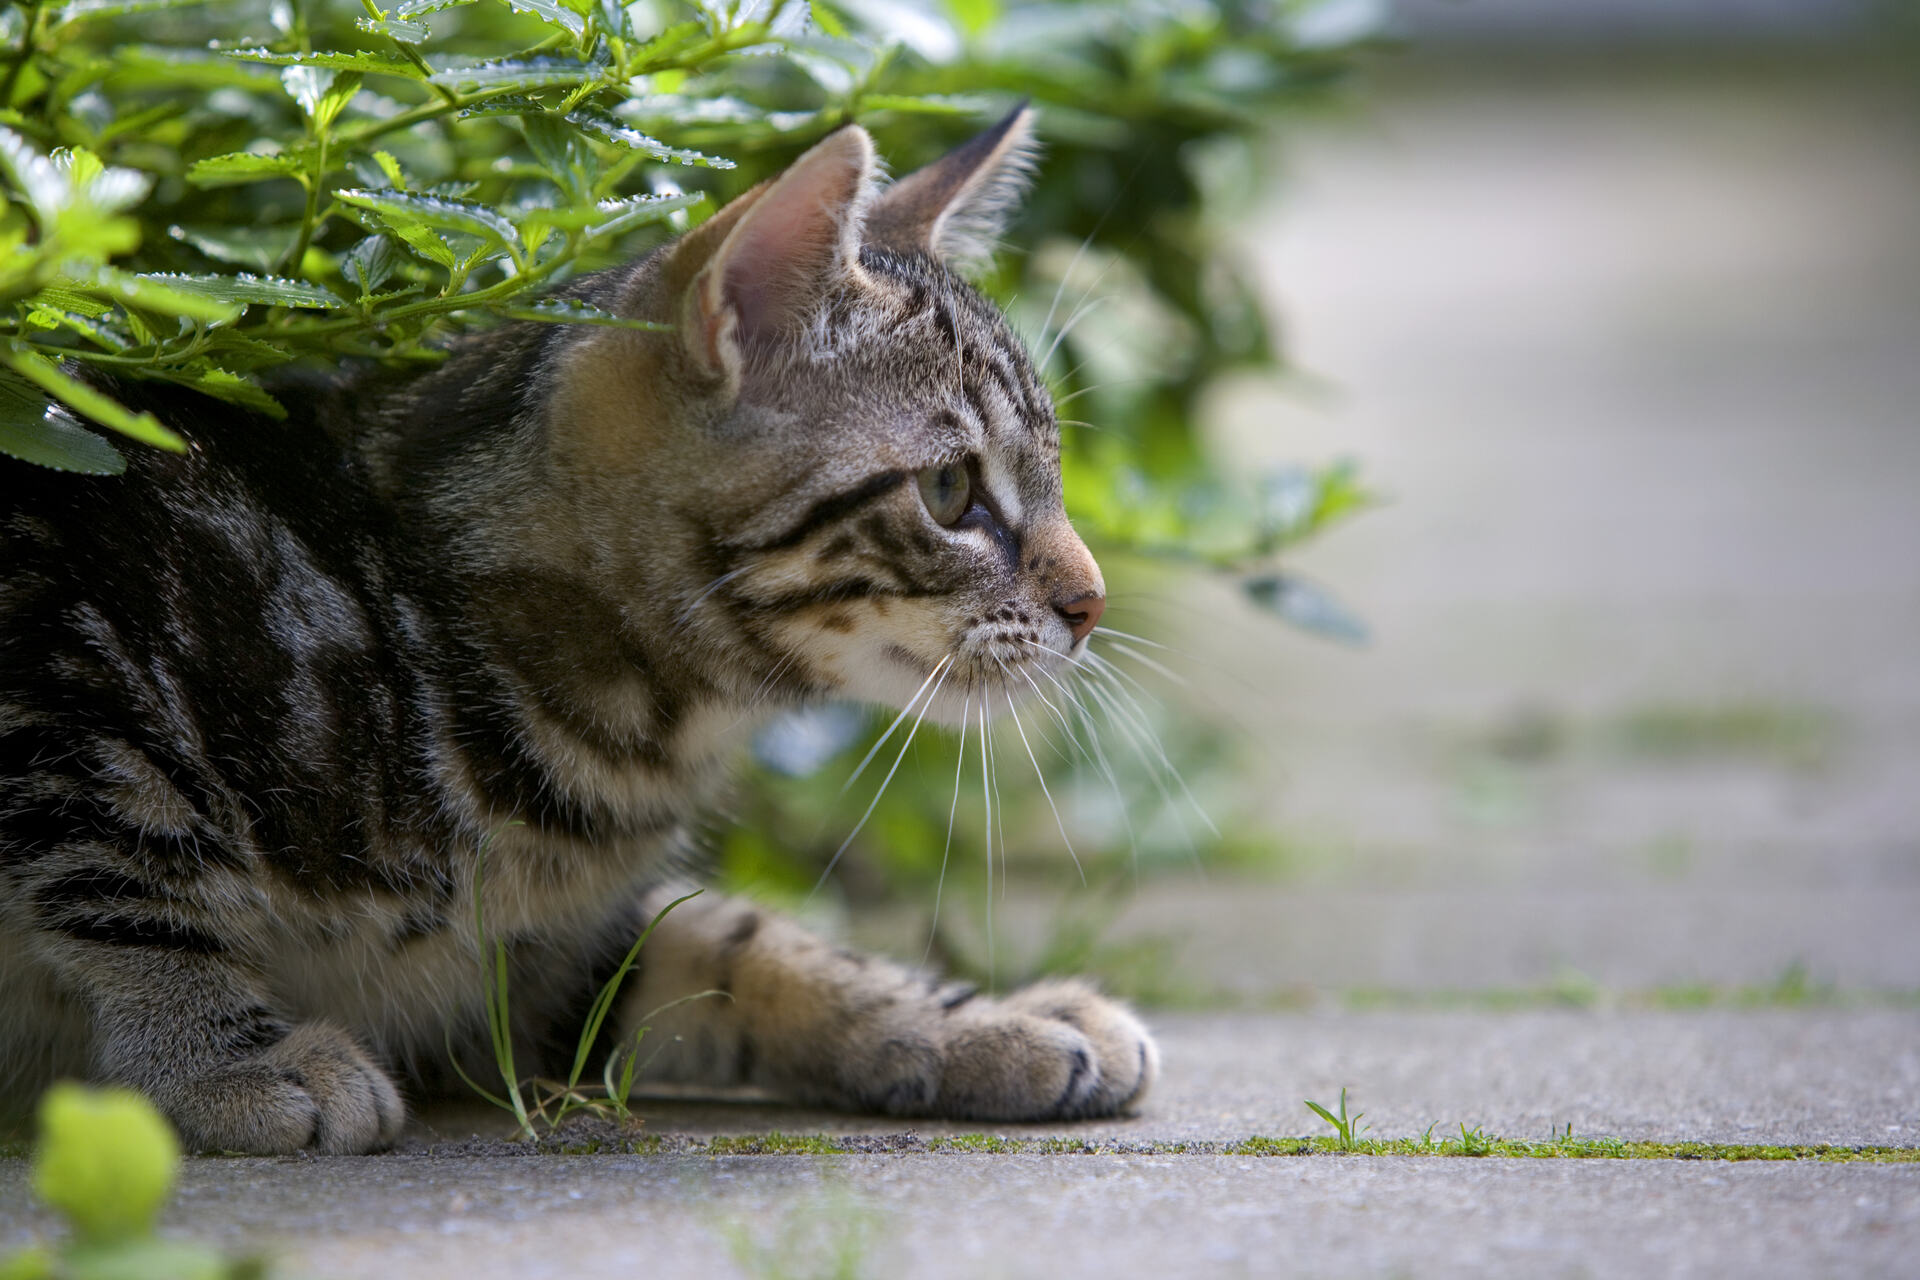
[[211, 621]]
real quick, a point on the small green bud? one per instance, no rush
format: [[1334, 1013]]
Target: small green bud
[[106, 1160]]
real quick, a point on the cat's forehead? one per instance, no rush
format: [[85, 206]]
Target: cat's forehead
[[944, 358]]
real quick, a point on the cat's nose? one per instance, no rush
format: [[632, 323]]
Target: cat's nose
[[1082, 615]]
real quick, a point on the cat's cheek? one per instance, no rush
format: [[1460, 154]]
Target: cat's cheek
[[889, 656]]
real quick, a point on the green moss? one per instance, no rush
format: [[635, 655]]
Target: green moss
[[1469, 1143], [978, 1143], [777, 1144]]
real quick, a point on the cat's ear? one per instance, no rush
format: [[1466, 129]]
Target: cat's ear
[[957, 207], [792, 240]]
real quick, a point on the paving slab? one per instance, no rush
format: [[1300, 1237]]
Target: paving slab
[[1040, 1216], [1848, 1077], [458, 1200]]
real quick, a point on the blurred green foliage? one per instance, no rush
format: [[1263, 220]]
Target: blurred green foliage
[[106, 1162], [204, 191]]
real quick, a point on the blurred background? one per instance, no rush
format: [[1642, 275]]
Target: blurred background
[[1617, 307]]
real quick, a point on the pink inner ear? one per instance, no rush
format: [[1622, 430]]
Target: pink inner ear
[[798, 240]]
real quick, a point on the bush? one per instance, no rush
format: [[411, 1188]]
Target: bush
[[204, 192]]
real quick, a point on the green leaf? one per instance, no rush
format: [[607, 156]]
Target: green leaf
[[321, 91], [245, 289], [154, 66], [416, 8], [561, 150], [1307, 606], [611, 217], [246, 166], [370, 263], [79, 10], [256, 247], [34, 430], [551, 13], [403, 209], [223, 384], [605, 127], [106, 1160], [388, 168], [927, 104], [974, 16], [33, 175], [106, 190], [62, 298], [571, 311], [517, 73], [154, 295], [386, 64], [89, 402], [395, 29]]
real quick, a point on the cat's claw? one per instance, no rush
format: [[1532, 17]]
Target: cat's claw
[[314, 1090]]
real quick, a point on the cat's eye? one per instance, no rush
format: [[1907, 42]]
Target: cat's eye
[[946, 490]]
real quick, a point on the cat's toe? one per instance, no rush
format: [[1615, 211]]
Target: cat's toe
[[316, 1089], [1054, 1051], [1126, 1060]]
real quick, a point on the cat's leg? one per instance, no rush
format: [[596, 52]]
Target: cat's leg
[[119, 896], [824, 1025]]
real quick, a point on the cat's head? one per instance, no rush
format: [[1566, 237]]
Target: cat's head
[[840, 467]]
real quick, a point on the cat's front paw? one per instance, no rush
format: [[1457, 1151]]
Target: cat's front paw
[[316, 1089], [1057, 1050]]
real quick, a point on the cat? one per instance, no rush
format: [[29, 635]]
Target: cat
[[272, 708]]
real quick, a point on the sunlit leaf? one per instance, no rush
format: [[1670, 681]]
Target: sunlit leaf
[[34, 430], [88, 401], [245, 166], [570, 311], [244, 289], [517, 73], [362, 60], [394, 28], [609, 129], [550, 12], [403, 209], [611, 217]]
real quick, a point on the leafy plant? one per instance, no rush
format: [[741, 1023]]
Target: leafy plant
[[1345, 1128], [106, 1162], [208, 194]]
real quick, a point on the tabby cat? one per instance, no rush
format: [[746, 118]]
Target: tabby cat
[[264, 704]]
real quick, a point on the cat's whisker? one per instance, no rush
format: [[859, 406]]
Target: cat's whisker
[[686, 615], [904, 713], [1080, 313], [1071, 396], [999, 808], [1111, 669], [1098, 754], [1123, 701], [1039, 693], [1119, 720], [873, 804], [1127, 635], [1152, 664], [953, 810], [986, 793], [1041, 777]]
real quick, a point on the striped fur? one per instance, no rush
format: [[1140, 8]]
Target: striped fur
[[263, 704]]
